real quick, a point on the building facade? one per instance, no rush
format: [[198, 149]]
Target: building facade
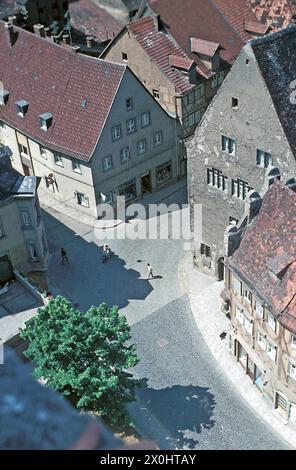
[[260, 293], [182, 84], [23, 243], [247, 130], [87, 127]]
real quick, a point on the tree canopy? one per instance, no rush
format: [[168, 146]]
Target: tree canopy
[[85, 356]]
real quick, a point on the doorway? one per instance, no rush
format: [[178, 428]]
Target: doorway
[[146, 186], [26, 170], [6, 273], [281, 404]]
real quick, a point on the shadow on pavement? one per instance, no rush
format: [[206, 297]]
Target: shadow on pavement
[[86, 280], [184, 412]]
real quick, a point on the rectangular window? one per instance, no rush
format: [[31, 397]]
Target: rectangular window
[[293, 340], [124, 56], [240, 188], [189, 98], [292, 370], [58, 159], [234, 103], [23, 149], [239, 316], [237, 286], [108, 198], [216, 179], [116, 132], [129, 104], [82, 200], [205, 250], [228, 145], [131, 126], [145, 119], [193, 118], [261, 340], [128, 190], [33, 252], [199, 93], [271, 322], [43, 152], [142, 146], [164, 173], [221, 77], [26, 219], [107, 163], [158, 138], [259, 308], [248, 295], [76, 166], [156, 94], [214, 81], [124, 155], [271, 351], [263, 159]]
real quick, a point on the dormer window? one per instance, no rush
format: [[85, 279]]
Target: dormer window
[[45, 121], [4, 95], [22, 107]]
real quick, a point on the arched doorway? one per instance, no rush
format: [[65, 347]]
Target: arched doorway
[[220, 273]]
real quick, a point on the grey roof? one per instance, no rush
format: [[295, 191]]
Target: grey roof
[[275, 54], [13, 183]]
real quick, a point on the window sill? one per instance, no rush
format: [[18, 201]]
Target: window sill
[[59, 164]]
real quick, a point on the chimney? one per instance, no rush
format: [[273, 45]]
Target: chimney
[[13, 19], [156, 21], [90, 41], [9, 31], [66, 39], [47, 32], [75, 49], [39, 30]]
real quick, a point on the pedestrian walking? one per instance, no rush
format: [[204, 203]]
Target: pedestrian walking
[[106, 252], [150, 272], [64, 256]]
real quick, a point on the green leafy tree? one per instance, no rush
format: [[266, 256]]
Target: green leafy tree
[[85, 356]]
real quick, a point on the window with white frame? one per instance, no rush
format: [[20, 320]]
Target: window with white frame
[[248, 295], [156, 94], [107, 163], [116, 132], [271, 322], [82, 199], [271, 351], [228, 145], [216, 179], [124, 154], [239, 315], [58, 159], [26, 219], [131, 126], [237, 285], [240, 188], [33, 252], [23, 149], [248, 325], [76, 166], [244, 320], [43, 152], [194, 118], [129, 103], [214, 81], [263, 159], [259, 308], [292, 370], [142, 146], [158, 138], [145, 119], [293, 340], [261, 340], [205, 250]]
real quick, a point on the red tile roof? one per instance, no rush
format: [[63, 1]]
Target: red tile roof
[[274, 13], [267, 253], [54, 79], [159, 46], [256, 27], [201, 46], [220, 21], [180, 62], [92, 20]]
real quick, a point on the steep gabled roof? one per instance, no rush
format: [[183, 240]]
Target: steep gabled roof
[[218, 21], [276, 58], [76, 89], [159, 46], [267, 253]]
